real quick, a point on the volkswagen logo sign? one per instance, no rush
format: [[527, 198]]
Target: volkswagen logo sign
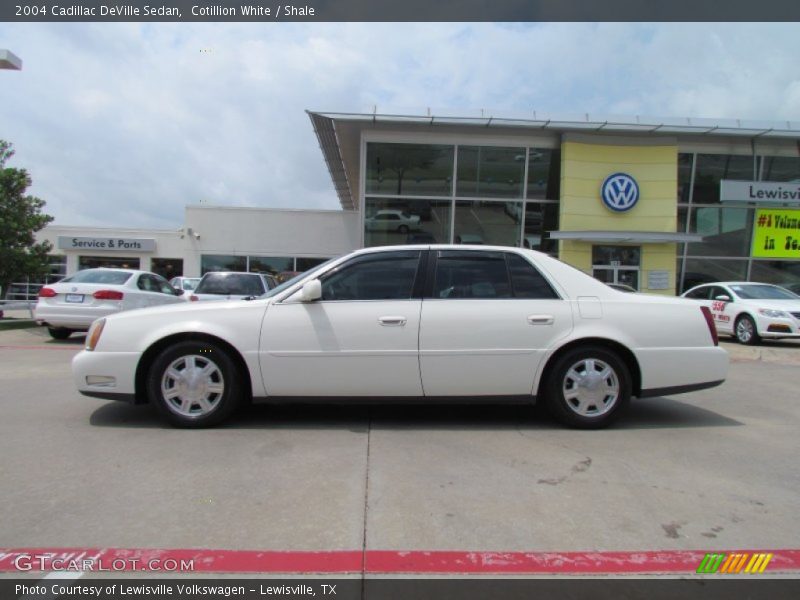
[[620, 192]]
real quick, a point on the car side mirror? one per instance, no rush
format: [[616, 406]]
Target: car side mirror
[[311, 290], [179, 292], [723, 298]]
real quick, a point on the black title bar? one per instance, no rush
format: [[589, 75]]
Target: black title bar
[[266, 11]]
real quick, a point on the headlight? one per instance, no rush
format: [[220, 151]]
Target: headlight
[[94, 334], [773, 314]]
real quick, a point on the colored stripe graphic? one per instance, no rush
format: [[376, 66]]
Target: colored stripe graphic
[[412, 562]]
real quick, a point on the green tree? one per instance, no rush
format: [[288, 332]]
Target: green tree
[[21, 217]]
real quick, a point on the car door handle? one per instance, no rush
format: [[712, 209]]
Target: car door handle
[[540, 319], [392, 321]]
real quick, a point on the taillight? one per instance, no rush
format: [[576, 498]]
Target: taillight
[[712, 329], [46, 292], [108, 295], [193, 298]]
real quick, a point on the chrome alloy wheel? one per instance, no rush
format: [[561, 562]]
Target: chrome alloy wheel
[[591, 387], [192, 386], [744, 330]]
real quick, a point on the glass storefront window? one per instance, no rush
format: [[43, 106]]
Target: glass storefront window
[[712, 168], [780, 272], [492, 223], [726, 231], [391, 221], [409, 169], [684, 176], [485, 171], [702, 270], [270, 264], [544, 174], [167, 267], [540, 220], [111, 262], [222, 262], [780, 168], [304, 264]]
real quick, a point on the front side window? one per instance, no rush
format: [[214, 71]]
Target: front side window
[[380, 276]]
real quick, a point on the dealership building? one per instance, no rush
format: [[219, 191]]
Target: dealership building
[[660, 205]]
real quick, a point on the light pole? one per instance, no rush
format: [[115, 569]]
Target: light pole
[[9, 60]]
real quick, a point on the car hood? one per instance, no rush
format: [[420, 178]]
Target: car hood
[[185, 310], [787, 305]]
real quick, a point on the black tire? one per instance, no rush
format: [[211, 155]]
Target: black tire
[[59, 333], [745, 331], [576, 412], [403, 229], [195, 413]]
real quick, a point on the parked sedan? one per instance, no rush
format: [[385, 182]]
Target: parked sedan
[[75, 302], [232, 285], [392, 220], [404, 323], [750, 311]]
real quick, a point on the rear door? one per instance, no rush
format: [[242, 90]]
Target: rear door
[[487, 320]]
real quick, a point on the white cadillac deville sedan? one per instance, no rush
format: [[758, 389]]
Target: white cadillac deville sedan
[[409, 323]]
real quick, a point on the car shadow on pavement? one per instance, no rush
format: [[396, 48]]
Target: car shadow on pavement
[[652, 413]]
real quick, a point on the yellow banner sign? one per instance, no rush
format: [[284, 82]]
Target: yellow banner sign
[[776, 233]]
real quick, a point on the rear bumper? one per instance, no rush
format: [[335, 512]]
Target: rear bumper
[[679, 389], [684, 369], [79, 319]]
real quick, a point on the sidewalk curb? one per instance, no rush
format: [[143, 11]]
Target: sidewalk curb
[[6, 325]]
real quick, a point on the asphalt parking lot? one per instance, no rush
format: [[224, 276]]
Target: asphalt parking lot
[[715, 469]]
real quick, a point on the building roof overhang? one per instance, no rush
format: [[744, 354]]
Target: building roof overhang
[[638, 237]]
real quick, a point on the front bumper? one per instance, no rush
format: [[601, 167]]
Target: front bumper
[[110, 375]]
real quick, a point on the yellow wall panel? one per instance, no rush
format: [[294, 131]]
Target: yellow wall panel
[[584, 167]]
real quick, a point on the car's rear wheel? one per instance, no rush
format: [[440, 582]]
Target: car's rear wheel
[[746, 332], [588, 387], [59, 333], [194, 384]]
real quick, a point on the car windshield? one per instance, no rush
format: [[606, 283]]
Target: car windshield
[[190, 284], [405, 215], [236, 284], [763, 292], [99, 276], [286, 284]]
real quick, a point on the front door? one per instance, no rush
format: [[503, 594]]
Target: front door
[[360, 339], [617, 264]]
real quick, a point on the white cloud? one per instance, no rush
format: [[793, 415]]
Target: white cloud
[[124, 124]]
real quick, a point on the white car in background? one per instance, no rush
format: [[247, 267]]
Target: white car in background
[[750, 311], [439, 323], [187, 284], [392, 220], [75, 302], [232, 285]]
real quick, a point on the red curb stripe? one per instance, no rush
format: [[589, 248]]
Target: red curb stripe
[[41, 347], [387, 561]]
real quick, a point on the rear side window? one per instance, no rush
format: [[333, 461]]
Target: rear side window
[[382, 276], [471, 275], [237, 284], [97, 276], [699, 294], [526, 280]]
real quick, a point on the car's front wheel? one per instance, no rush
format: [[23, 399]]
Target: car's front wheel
[[588, 387], [746, 332], [194, 384], [59, 333]]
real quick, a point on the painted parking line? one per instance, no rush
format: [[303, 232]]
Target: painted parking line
[[377, 561]]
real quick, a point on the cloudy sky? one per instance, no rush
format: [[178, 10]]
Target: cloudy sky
[[124, 124]]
